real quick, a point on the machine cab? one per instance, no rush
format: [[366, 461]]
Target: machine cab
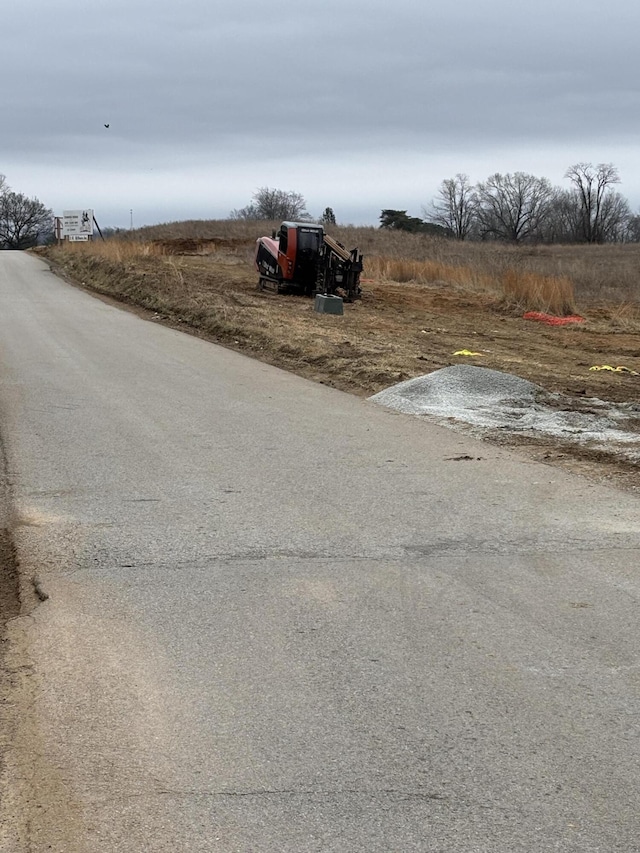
[[299, 246]]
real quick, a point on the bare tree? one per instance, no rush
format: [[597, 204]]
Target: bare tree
[[615, 215], [22, 220], [512, 206], [562, 221], [250, 212], [274, 204], [455, 206], [633, 228], [593, 185], [3, 185]]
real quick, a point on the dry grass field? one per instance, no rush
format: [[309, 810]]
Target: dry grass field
[[424, 299]]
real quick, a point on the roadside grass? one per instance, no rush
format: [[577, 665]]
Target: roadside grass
[[599, 274], [114, 250], [423, 300], [427, 303], [560, 280], [517, 289], [556, 279]]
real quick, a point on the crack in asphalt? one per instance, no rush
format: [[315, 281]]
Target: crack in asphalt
[[419, 795], [435, 549]]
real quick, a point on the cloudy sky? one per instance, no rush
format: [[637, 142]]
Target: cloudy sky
[[357, 104]]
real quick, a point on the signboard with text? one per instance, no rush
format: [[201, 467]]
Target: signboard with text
[[77, 222]]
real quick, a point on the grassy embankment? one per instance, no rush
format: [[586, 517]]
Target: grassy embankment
[[414, 286]]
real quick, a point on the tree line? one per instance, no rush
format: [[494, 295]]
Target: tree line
[[521, 208], [513, 207], [23, 221]]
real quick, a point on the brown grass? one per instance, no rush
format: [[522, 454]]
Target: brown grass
[[608, 274], [424, 301], [116, 250], [556, 279], [531, 291], [520, 289], [414, 315]]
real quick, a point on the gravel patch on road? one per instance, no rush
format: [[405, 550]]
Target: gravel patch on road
[[489, 400]]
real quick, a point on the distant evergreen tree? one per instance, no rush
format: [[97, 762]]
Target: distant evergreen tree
[[399, 220], [328, 217]]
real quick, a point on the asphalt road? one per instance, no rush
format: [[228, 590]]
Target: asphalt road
[[282, 619]]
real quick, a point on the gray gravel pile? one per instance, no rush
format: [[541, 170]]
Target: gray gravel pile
[[489, 400], [458, 388]]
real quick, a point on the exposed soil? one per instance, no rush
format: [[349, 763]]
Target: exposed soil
[[395, 332], [9, 573]]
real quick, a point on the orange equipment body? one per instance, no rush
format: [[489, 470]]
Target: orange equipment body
[[300, 256]]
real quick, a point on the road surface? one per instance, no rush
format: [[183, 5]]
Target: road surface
[[263, 615]]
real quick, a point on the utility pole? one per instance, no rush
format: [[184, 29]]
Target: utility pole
[[131, 212]]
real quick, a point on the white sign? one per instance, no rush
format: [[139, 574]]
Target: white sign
[[78, 238], [77, 222]]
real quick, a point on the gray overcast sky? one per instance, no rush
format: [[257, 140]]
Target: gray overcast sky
[[357, 104]]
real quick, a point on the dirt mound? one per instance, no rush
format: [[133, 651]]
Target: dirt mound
[[194, 246]]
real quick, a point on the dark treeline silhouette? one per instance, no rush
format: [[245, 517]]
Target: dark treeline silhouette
[[522, 208]]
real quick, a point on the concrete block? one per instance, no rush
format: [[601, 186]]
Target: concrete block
[[328, 304]]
